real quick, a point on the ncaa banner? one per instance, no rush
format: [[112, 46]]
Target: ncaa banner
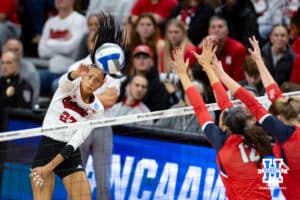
[[144, 169]]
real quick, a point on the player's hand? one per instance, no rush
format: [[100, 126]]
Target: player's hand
[[208, 52], [83, 69], [179, 65], [217, 67], [39, 174], [255, 51]]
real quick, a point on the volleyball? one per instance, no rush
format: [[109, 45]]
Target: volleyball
[[110, 58]]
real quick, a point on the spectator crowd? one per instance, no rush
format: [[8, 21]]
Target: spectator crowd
[[42, 40]]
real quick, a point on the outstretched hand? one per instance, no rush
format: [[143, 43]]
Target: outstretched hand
[[217, 67], [83, 69], [207, 55], [179, 65], [255, 52]]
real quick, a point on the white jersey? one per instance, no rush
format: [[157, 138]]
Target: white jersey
[[67, 107], [109, 82]]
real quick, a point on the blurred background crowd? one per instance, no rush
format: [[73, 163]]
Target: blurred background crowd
[[41, 39]]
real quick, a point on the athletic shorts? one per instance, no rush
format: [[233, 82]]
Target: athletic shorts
[[48, 149]]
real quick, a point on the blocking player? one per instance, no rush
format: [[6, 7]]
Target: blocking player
[[239, 148]]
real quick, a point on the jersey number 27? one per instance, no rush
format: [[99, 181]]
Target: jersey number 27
[[67, 118]]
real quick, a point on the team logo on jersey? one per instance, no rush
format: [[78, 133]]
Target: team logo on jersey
[[72, 105], [96, 106], [273, 168]]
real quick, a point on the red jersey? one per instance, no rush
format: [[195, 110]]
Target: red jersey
[[287, 147], [236, 161], [291, 156], [240, 171]]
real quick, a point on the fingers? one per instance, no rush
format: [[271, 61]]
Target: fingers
[[36, 179]]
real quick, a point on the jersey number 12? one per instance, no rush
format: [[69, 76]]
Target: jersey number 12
[[250, 156]]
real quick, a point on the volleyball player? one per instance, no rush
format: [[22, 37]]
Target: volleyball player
[[239, 148], [58, 151], [75, 100], [283, 126], [99, 143]]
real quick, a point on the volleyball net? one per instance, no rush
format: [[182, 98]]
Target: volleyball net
[[148, 162]]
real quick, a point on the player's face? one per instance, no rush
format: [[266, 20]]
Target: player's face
[[92, 81], [138, 87]]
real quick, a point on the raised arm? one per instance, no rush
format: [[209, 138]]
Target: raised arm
[[271, 87], [66, 81], [212, 131], [180, 67], [269, 123], [205, 60]]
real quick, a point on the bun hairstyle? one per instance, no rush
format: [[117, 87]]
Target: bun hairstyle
[[254, 136], [289, 108]]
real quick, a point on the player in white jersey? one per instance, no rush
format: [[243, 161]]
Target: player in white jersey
[[99, 144], [58, 151]]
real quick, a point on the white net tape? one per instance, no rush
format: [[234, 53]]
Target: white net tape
[[110, 121]]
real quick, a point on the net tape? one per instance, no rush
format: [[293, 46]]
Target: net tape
[[111, 121]]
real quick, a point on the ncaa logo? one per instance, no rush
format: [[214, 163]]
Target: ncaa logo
[[273, 168]]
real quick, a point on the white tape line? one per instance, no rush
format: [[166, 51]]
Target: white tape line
[[110, 121]]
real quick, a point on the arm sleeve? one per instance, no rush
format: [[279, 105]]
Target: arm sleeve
[[215, 136], [80, 135], [221, 96], [273, 92], [197, 102], [277, 128], [256, 109]]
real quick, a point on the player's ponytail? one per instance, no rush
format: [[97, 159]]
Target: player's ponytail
[[288, 108], [256, 137], [109, 31]]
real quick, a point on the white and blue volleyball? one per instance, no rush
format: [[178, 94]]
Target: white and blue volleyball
[[110, 58]]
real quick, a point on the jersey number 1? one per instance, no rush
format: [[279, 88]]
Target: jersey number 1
[[251, 157]]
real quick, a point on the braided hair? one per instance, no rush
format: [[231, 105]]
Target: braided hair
[[108, 31]]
